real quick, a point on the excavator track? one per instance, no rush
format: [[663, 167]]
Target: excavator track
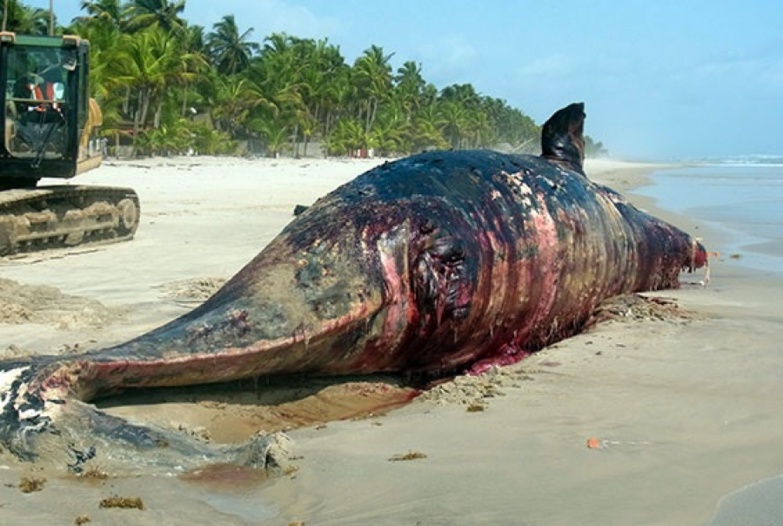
[[64, 216]]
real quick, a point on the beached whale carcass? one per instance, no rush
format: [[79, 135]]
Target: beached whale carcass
[[438, 262]]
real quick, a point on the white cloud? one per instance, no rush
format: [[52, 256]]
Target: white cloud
[[294, 19], [761, 70], [553, 67], [265, 17], [449, 59]]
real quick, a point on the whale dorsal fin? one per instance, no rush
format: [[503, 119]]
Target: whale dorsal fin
[[562, 141]]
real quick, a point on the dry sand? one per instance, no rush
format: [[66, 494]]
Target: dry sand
[[684, 401]]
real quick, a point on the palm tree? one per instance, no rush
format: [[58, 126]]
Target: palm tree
[[373, 82], [336, 95], [25, 20], [107, 11], [328, 78], [471, 122], [318, 68], [388, 135], [234, 97], [196, 40], [275, 67], [276, 136], [347, 138], [409, 86], [141, 14], [230, 52], [278, 43], [464, 94], [509, 125], [278, 71], [456, 117], [149, 67], [194, 44], [145, 65], [427, 129], [479, 132]]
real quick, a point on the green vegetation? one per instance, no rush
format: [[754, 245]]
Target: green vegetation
[[168, 87]]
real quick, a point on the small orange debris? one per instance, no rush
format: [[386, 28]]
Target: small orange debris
[[593, 443]]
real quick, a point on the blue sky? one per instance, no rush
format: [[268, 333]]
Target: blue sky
[[683, 79]]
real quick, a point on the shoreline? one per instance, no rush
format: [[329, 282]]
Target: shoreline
[[684, 408], [735, 201]]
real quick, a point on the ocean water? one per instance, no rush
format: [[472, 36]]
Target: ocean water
[[742, 197]]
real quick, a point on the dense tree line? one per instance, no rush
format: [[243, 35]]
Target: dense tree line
[[167, 86]]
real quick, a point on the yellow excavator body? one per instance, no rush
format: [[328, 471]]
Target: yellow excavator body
[[50, 131]]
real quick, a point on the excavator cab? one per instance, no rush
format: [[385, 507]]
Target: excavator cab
[[48, 112], [49, 122]]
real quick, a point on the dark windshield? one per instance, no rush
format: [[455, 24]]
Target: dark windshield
[[36, 101]]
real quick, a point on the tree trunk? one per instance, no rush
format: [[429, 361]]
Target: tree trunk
[[144, 97], [185, 100], [156, 117], [296, 140], [126, 102]]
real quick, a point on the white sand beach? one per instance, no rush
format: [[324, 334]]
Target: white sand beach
[[683, 402]]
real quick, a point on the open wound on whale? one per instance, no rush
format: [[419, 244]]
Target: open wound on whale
[[431, 265]]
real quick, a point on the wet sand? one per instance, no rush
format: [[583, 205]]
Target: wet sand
[[684, 406]]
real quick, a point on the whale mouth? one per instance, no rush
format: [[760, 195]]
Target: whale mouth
[[699, 258]]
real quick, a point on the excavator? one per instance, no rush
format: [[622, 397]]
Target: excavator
[[50, 132]]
